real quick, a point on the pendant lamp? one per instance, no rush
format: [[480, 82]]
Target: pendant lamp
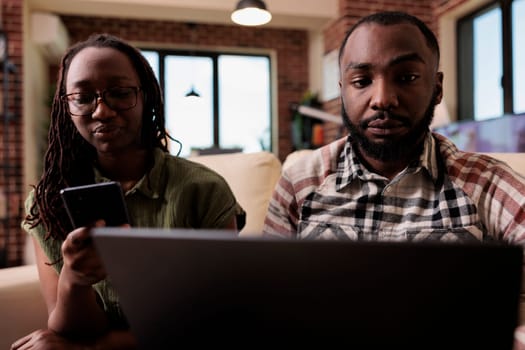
[[251, 13], [192, 93]]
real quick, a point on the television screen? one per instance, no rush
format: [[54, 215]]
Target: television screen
[[502, 134]]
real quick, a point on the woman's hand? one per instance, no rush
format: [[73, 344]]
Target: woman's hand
[[73, 303], [82, 264], [44, 339], [519, 338]]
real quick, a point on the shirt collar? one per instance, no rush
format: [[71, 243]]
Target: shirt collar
[[350, 167], [429, 159], [151, 183]]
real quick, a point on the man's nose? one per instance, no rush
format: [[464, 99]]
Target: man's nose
[[384, 95]]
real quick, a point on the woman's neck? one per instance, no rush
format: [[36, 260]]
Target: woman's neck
[[126, 168]]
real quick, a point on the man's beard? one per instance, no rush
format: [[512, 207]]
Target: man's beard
[[391, 149]]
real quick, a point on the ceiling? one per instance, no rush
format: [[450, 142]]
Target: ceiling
[[311, 15]]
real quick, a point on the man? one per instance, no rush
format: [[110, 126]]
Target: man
[[392, 178]]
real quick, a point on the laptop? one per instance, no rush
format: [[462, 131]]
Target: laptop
[[183, 287]]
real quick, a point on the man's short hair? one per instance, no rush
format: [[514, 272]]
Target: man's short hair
[[390, 18]]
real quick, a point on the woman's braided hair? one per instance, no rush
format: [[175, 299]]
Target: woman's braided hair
[[69, 158]]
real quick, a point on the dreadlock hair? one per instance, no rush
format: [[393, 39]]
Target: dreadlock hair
[[69, 159]]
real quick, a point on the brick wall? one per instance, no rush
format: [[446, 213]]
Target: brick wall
[[291, 47], [11, 129], [443, 6]]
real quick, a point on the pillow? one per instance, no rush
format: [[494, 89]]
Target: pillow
[[252, 178]]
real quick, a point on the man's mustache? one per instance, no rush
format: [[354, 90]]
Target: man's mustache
[[385, 115]]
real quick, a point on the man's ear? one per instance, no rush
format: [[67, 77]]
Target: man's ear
[[438, 89]]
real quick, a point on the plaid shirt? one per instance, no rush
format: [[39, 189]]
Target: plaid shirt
[[445, 195]]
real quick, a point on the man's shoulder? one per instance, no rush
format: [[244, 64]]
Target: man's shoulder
[[472, 166]]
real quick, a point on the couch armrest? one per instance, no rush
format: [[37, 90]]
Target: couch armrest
[[22, 306]]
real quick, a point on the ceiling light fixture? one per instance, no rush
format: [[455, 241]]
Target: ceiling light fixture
[[251, 13]]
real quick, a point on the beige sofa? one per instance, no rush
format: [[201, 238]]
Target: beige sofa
[[252, 178]]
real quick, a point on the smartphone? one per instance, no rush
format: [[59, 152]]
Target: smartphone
[[89, 203]]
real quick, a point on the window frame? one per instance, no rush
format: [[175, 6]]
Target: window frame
[[214, 56], [465, 58]]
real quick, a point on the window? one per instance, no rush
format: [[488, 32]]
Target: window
[[491, 61], [518, 54], [233, 107]]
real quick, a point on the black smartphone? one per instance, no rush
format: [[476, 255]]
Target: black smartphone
[[89, 203]]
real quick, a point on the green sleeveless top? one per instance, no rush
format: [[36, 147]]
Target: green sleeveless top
[[175, 193]]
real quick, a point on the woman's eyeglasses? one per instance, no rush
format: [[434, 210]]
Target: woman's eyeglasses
[[118, 99]]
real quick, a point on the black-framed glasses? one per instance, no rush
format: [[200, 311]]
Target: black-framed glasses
[[118, 98]]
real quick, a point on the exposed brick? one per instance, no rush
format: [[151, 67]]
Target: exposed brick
[[11, 150]]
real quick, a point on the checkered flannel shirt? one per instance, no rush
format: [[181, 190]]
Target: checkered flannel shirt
[[446, 194]]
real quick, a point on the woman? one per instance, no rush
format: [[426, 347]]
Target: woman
[[107, 123]]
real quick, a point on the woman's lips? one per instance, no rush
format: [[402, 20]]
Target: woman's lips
[[105, 130]]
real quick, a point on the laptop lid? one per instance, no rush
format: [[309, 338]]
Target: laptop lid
[[184, 286]]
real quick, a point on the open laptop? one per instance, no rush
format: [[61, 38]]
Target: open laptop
[[196, 287]]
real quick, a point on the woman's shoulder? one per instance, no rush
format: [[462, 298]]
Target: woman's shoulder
[[184, 166], [183, 172]]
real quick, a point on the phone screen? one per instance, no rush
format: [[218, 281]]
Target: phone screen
[[89, 203]]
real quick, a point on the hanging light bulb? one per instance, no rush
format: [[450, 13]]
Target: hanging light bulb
[[251, 13]]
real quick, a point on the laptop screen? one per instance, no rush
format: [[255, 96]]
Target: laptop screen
[[189, 286]]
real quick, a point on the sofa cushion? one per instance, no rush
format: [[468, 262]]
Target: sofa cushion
[[252, 178], [22, 306], [515, 160]]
